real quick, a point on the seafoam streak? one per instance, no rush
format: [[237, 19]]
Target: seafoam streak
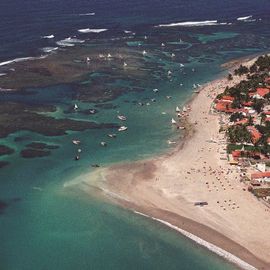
[[215, 249], [244, 18], [20, 60], [88, 30], [190, 24]]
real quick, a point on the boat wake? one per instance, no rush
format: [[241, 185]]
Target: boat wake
[[215, 249]]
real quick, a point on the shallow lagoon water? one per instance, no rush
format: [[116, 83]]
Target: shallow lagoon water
[[49, 226]]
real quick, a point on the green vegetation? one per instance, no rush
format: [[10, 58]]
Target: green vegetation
[[238, 134], [241, 70]]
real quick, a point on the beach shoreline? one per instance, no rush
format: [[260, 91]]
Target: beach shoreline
[[164, 188]]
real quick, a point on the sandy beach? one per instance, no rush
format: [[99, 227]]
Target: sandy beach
[[167, 186]]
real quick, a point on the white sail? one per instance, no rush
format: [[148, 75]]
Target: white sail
[[173, 121], [177, 109]]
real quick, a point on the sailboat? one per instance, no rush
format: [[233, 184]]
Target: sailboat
[[174, 122], [177, 109], [184, 109], [122, 117], [75, 107], [122, 128]]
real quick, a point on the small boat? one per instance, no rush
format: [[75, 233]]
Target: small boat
[[182, 65], [103, 144], [75, 107], [112, 135], [87, 59], [173, 122], [147, 104], [92, 111], [169, 73], [77, 142], [77, 157], [171, 142], [122, 128], [144, 53], [200, 203], [109, 55], [168, 97], [177, 109], [121, 117], [145, 37], [193, 69], [125, 64], [79, 150], [163, 113], [140, 103], [172, 55], [180, 127], [184, 109], [155, 90], [153, 99], [95, 165], [162, 45]]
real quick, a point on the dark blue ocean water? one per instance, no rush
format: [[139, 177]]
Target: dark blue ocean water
[[24, 22], [48, 226]]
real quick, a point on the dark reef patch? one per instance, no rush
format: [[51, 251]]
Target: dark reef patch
[[106, 106], [5, 150], [41, 146], [33, 153], [15, 117]]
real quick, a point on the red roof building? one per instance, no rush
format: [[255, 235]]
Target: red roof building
[[255, 134], [260, 175], [262, 91]]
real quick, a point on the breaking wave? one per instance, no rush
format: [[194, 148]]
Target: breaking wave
[[88, 14], [48, 37], [16, 60], [192, 24], [49, 49], [244, 18], [69, 42], [215, 249], [88, 30]]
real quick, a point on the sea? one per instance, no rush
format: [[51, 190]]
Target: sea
[[47, 224]]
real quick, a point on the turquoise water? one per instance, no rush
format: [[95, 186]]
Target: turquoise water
[[49, 226]]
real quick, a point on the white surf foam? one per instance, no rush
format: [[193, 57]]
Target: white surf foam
[[69, 42], [190, 24], [16, 60], [3, 74], [48, 37], [88, 14], [88, 30], [49, 49], [244, 18], [215, 249]]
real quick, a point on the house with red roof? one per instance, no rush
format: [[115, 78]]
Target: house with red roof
[[255, 134], [261, 176], [260, 93]]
